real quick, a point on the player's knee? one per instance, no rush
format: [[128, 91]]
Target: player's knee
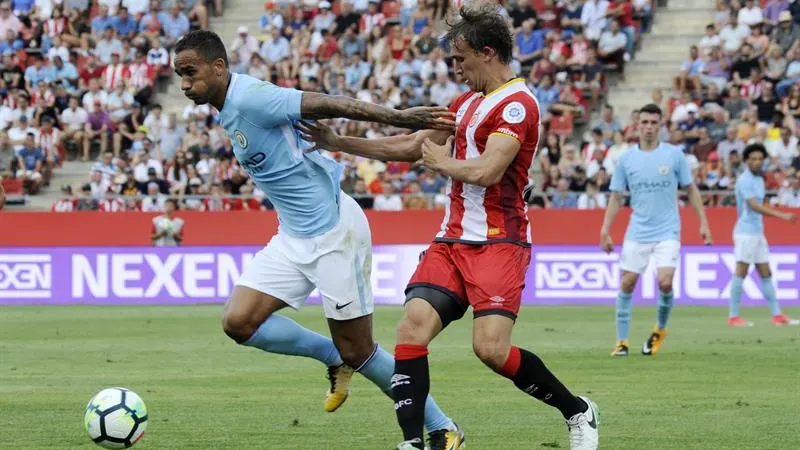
[[238, 326], [492, 352], [356, 355], [628, 282], [416, 327], [665, 284]]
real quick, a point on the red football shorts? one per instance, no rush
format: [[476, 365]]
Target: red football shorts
[[488, 277]]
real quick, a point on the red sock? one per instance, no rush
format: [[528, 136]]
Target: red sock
[[511, 367], [407, 351]]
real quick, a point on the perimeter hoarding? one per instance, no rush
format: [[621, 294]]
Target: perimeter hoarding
[[572, 274]]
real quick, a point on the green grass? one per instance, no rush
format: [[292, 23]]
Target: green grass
[[711, 388]]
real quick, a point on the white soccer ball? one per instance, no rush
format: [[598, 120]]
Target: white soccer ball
[[115, 418]]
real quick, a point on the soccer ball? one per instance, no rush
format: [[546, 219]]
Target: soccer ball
[[115, 418]]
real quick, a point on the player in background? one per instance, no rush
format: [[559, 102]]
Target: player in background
[[323, 240], [652, 172], [749, 242], [481, 255]]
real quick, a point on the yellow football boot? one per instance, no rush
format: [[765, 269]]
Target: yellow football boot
[[654, 342], [340, 378], [446, 439], [620, 349]]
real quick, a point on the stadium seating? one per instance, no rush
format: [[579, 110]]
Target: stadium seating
[[379, 51]]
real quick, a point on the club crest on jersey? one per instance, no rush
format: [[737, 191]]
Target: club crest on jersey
[[475, 117], [663, 170], [514, 112], [240, 138]]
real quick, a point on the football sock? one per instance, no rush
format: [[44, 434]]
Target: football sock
[[379, 369], [624, 309], [664, 308], [769, 293], [736, 296], [530, 375], [282, 335], [410, 386]]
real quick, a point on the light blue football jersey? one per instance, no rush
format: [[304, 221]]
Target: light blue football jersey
[[749, 186], [653, 179], [259, 118]]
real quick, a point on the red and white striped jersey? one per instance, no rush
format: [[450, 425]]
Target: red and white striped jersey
[[142, 75], [482, 215], [115, 74], [49, 141], [64, 205], [112, 205]]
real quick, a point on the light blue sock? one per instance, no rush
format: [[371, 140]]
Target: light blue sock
[[282, 335], [664, 308], [379, 369], [769, 293], [736, 296], [624, 309]]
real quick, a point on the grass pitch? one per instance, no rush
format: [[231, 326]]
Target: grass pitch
[[711, 388]]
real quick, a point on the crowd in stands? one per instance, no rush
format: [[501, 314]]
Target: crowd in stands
[[385, 52], [76, 77], [739, 84]]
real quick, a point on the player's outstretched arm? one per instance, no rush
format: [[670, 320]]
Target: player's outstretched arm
[[487, 170], [394, 148], [770, 212], [315, 105]]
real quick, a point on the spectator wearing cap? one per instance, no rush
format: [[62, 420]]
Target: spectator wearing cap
[[98, 128], [67, 203], [73, 119], [154, 200], [31, 162], [244, 45], [129, 187], [271, 19], [19, 132], [325, 19], [193, 199], [691, 126], [787, 32], [87, 202]]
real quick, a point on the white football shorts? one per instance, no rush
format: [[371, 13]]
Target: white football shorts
[[636, 255], [750, 248], [338, 262]]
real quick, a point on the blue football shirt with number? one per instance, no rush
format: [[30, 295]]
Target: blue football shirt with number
[[259, 118], [749, 186], [652, 178]]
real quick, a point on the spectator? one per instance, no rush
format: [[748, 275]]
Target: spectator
[[592, 198], [31, 163], [168, 229], [790, 197], [563, 199], [388, 200]]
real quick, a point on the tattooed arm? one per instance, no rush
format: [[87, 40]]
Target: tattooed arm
[[316, 106]]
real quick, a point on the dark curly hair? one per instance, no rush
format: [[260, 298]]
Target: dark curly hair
[[481, 27], [207, 44]]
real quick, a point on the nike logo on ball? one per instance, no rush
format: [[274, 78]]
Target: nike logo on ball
[[338, 306]]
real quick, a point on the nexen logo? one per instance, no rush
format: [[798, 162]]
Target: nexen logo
[[25, 276], [571, 275]]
